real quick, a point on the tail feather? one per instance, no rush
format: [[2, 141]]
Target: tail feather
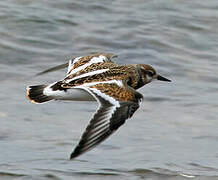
[[35, 94]]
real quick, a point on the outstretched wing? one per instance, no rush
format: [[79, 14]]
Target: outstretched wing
[[111, 114], [79, 60]]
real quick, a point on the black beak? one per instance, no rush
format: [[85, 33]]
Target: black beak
[[161, 78]]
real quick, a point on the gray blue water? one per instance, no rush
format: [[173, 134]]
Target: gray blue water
[[173, 136]]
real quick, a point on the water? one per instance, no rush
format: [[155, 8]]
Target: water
[[174, 133]]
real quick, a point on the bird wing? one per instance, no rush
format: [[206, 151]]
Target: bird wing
[[110, 115], [80, 63], [79, 60]]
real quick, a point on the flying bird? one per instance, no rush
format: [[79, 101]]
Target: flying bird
[[97, 78]]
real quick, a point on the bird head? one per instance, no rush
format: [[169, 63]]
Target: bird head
[[148, 74]]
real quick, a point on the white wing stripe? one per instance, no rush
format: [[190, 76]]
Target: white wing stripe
[[92, 61], [76, 59], [71, 63], [69, 66], [108, 98], [86, 85], [87, 74]]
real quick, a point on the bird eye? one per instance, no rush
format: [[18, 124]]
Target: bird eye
[[150, 73]]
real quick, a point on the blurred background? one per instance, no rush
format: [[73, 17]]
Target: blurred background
[[172, 136]]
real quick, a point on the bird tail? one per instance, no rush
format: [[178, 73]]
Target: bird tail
[[35, 94]]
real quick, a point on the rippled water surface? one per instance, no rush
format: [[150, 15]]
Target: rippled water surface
[[173, 135]]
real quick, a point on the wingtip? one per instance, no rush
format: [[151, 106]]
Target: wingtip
[[55, 68], [73, 156]]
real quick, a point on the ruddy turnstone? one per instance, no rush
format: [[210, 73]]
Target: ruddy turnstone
[[97, 77]]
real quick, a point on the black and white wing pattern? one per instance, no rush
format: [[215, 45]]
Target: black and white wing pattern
[[110, 115], [80, 63]]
